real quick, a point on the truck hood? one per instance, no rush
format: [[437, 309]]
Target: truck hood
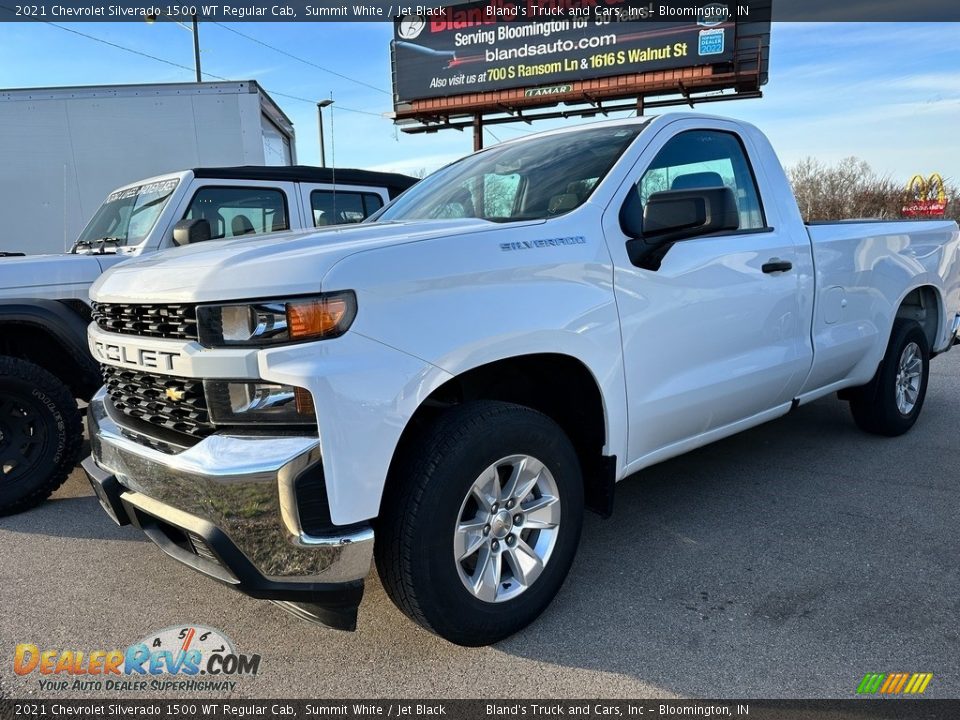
[[48, 271], [260, 267]]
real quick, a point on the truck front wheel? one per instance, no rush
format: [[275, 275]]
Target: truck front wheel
[[891, 402], [481, 522], [40, 434]]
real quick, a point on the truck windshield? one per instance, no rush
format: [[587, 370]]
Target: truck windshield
[[525, 180], [127, 216]]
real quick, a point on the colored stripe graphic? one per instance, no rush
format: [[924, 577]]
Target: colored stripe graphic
[[894, 683], [870, 683]]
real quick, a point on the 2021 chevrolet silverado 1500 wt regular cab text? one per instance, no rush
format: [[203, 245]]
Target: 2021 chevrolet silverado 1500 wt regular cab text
[[460, 378]]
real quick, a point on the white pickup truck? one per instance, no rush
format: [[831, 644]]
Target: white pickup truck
[[445, 389], [44, 310]]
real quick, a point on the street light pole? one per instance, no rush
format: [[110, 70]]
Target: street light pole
[[152, 18], [196, 47], [323, 152]]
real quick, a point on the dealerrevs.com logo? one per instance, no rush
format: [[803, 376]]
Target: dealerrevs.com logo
[[186, 658]]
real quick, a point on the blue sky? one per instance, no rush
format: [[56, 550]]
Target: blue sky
[[887, 93]]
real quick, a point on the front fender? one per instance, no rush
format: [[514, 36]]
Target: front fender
[[365, 394], [461, 302]]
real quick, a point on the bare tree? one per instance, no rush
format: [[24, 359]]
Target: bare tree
[[849, 189]]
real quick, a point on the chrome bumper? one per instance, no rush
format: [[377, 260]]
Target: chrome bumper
[[239, 488]]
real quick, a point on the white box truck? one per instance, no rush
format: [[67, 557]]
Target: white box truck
[[63, 149]]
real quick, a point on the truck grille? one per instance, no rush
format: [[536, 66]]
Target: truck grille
[[143, 396], [163, 321]]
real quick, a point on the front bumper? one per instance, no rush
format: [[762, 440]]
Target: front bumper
[[227, 507]]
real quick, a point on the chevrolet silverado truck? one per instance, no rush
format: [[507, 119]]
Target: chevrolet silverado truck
[[442, 391], [44, 308]]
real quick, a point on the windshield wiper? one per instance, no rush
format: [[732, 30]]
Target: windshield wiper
[[100, 243]]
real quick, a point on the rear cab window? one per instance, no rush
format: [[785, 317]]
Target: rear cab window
[[339, 207]]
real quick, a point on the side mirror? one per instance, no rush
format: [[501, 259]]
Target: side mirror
[[674, 215], [188, 232]]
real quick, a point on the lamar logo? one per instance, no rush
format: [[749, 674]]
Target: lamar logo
[[894, 683]]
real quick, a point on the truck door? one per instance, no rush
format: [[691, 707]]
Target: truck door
[[715, 338], [236, 208]]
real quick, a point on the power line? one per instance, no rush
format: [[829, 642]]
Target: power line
[[300, 59], [186, 67], [332, 107], [126, 49]]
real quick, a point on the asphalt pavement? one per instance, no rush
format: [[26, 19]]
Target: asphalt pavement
[[787, 561]]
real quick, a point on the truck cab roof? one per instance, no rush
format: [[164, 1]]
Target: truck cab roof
[[394, 182]]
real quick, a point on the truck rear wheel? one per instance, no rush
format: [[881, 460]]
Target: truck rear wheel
[[891, 402], [40, 434], [481, 522]]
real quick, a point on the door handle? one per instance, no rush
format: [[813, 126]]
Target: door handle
[[776, 265]]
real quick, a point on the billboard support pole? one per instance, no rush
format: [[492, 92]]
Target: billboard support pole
[[477, 132], [640, 106]]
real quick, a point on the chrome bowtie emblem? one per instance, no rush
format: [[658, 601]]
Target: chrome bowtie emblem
[[175, 394]]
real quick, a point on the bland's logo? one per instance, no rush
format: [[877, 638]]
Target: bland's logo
[[172, 659], [411, 26]]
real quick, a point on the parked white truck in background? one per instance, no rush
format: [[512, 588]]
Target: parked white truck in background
[[44, 311], [460, 378], [65, 148]]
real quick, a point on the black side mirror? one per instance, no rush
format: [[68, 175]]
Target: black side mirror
[[187, 232], [674, 215]]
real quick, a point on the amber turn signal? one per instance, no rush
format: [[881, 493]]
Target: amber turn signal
[[324, 317]]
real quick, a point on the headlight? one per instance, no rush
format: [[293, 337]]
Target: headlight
[[274, 322], [255, 403]]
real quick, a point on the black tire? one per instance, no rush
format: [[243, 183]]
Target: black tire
[[426, 493], [40, 434], [874, 406]]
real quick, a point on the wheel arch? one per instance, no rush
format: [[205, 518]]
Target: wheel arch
[[924, 304], [52, 335], [556, 384]]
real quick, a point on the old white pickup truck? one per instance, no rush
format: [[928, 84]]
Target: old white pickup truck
[[44, 309], [445, 389]]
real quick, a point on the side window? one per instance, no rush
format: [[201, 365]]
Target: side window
[[493, 195], [235, 211], [500, 195], [701, 159], [338, 207]]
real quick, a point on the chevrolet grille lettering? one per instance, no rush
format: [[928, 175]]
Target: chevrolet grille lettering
[[135, 357]]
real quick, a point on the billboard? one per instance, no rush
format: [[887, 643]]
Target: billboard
[[474, 54], [486, 57]]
